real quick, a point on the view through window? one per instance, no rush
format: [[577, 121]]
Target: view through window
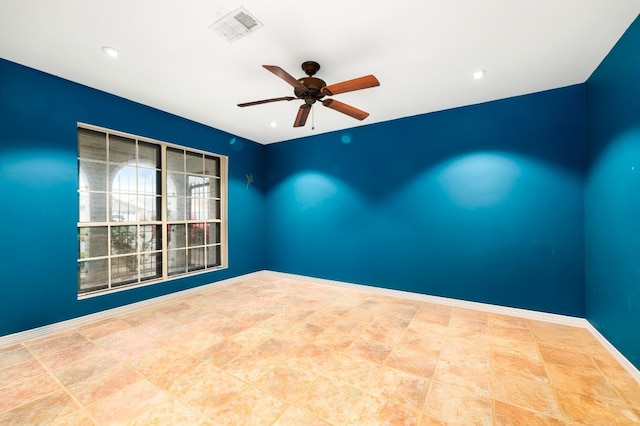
[[149, 210]]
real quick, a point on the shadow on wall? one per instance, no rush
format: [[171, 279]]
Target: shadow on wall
[[486, 226], [472, 181], [545, 127]]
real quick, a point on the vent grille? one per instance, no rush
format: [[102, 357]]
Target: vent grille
[[246, 20], [236, 24]]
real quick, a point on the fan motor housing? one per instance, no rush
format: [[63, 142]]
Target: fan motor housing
[[312, 92]]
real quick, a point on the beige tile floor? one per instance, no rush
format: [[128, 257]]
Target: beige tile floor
[[276, 351]]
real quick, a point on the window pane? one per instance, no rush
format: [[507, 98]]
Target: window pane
[[175, 160], [213, 256], [84, 212], [150, 236], [175, 208], [124, 270], [194, 163], [196, 185], [150, 266], [176, 184], [93, 241], [92, 145], [197, 234], [148, 181], [177, 262], [149, 155], [213, 209], [124, 239], [196, 259], [213, 236], [197, 208], [177, 236], [92, 275], [211, 166], [93, 207], [123, 207], [214, 190], [148, 207], [121, 150], [123, 178], [93, 176]]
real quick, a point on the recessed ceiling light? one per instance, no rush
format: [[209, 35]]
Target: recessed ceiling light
[[110, 51], [273, 124], [479, 74]]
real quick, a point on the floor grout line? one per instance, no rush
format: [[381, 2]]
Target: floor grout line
[[376, 323]]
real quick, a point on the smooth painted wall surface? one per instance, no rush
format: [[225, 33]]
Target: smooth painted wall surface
[[612, 196], [39, 201], [480, 203]]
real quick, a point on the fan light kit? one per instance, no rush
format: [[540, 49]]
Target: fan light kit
[[311, 89]]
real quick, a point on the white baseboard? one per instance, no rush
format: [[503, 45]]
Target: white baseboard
[[16, 338], [34, 333], [485, 307], [631, 369]]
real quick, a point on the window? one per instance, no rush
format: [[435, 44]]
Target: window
[[149, 211]]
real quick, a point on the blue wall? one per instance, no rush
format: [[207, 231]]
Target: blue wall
[[39, 202], [482, 203], [612, 196]]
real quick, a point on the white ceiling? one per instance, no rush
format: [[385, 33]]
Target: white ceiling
[[423, 52]]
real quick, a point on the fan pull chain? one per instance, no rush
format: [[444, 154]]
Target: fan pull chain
[[313, 119]]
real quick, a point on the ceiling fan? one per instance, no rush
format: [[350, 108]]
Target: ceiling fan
[[311, 89]]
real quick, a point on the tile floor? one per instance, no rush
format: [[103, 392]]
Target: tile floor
[[276, 351]]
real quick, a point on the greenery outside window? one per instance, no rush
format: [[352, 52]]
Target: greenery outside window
[[148, 211]]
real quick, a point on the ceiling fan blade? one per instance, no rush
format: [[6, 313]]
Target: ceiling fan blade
[[356, 113], [303, 113], [351, 85], [266, 101], [285, 76]]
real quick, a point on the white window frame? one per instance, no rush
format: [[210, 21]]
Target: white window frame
[[163, 221]]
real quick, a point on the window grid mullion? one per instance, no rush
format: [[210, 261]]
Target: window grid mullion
[[108, 215], [163, 211]]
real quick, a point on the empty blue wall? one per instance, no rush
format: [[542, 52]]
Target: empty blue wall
[[612, 196], [482, 203], [39, 202]]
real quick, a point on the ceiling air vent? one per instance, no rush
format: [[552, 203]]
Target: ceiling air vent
[[236, 24]]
